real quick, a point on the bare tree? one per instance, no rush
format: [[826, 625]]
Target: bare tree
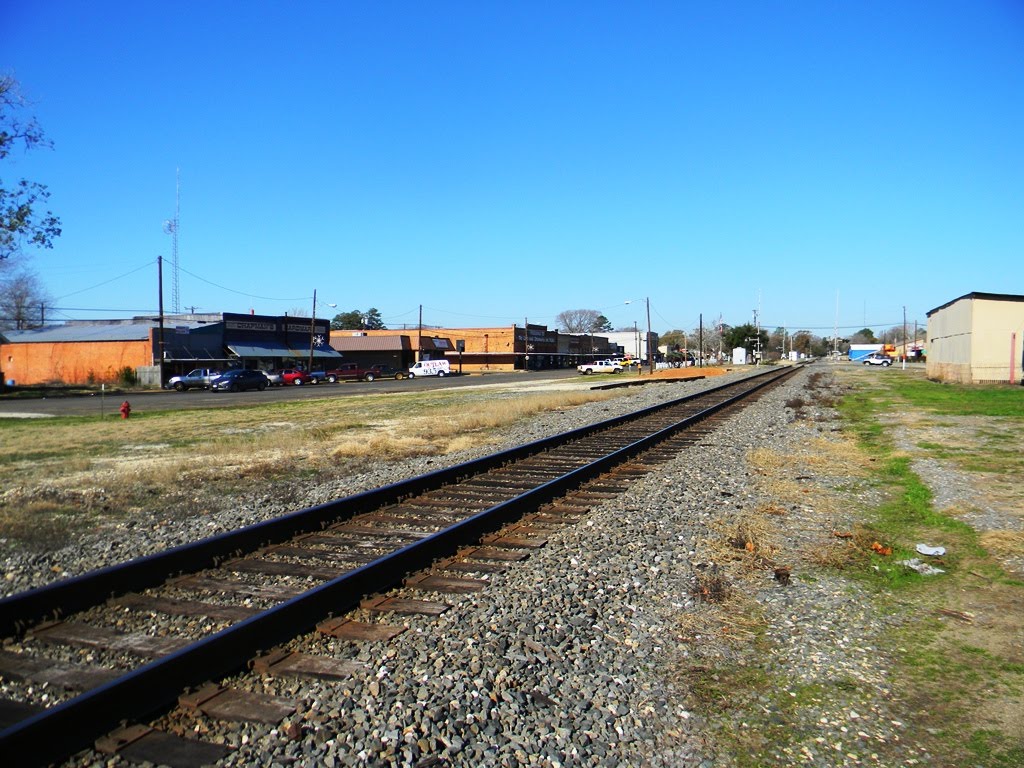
[[582, 321], [21, 220], [23, 301]]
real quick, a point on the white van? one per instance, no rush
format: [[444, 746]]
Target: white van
[[430, 368]]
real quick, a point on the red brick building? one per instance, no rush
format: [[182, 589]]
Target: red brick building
[[498, 348]]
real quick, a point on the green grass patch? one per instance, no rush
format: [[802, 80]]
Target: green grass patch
[[955, 677], [993, 749], [961, 400]]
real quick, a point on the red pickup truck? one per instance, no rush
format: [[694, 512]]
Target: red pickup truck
[[355, 372]]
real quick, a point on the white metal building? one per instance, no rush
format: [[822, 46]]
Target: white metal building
[[977, 338], [633, 343]]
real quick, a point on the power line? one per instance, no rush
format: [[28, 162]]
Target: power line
[[106, 282], [508, 318], [243, 293]]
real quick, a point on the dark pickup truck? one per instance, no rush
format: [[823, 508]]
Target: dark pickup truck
[[355, 372]]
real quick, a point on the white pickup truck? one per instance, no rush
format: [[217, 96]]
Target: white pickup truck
[[600, 366]]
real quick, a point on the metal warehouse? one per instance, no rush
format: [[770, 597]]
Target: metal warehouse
[[977, 338]]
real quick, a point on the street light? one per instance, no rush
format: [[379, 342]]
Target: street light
[[650, 356], [647, 344]]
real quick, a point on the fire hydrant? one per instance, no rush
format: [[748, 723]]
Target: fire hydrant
[[126, 409]]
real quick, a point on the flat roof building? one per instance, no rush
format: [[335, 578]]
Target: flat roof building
[[500, 348]]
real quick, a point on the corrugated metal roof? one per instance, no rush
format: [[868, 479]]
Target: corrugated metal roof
[[978, 295], [369, 343], [65, 333]]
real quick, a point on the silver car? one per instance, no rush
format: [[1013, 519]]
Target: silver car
[[274, 379]]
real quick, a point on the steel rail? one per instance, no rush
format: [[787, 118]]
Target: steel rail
[[59, 731]]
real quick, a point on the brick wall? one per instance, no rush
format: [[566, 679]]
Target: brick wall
[[72, 362]]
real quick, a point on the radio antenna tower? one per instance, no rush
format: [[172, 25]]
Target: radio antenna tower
[[171, 228]]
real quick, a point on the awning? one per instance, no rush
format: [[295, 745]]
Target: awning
[[273, 349], [180, 354], [321, 352], [261, 349]]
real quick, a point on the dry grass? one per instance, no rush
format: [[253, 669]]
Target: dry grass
[[846, 549], [41, 525], [110, 467], [471, 425], [748, 542], [823, 456], [386, 446], [731, 616], [1003, 543]]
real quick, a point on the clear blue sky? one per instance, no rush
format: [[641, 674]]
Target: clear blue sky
[[494, 162]]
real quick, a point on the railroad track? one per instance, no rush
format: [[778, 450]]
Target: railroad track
[[84, 641]]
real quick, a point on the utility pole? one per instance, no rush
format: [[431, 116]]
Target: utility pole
[[526, 343], [835, 332], [904, 337], [160, 302], [312, 330], [700, 349], [721, 331], [650, 352], [757, 339], [419, 336]]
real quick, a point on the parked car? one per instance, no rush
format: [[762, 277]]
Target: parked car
[[273, 378], [600, 366], [878, 358], [383, 372], [293, 376], [200, 378], [239, 380], [430, 368], [357, 372]]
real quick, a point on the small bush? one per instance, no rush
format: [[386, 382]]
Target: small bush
[[38, 526], [711, 586]]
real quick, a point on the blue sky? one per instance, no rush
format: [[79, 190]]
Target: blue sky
[[493, 162]]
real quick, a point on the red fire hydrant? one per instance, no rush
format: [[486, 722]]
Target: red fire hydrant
[[126, 409]]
